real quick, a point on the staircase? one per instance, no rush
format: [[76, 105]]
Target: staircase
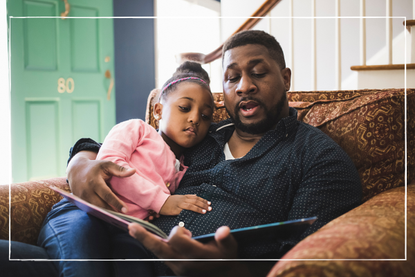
[[320, 48], [390, 75]]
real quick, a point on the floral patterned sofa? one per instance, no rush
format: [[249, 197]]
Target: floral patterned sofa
[[374, 239]]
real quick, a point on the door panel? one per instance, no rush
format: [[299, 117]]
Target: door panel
[[40, 38], [84, 40], [82, 109], [43, 133], [58, 84]]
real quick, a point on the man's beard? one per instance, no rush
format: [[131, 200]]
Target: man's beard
[[270, 120]]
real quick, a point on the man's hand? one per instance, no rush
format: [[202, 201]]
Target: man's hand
[[89, 178], [176, 203], [181, 246]]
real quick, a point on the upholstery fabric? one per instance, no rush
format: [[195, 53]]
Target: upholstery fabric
[[30, 203], [369, 125], [374, 230]]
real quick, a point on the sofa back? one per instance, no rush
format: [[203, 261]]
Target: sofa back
[[368, 124]]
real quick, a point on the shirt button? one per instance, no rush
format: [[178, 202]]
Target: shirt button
[[181, 224], [168, 185]]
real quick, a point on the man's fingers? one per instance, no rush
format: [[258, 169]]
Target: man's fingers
[[153, 243], [111, 200], [180, 231], [180, 240], [93, 198], [113, 169], [226, 242]]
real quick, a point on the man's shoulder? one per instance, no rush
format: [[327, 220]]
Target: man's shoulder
[[314, 138]]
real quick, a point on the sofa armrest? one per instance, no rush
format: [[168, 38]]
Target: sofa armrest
[[374, 230], [30, 203]]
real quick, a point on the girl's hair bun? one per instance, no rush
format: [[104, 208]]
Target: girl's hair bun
[[191, 69], [186, 70]]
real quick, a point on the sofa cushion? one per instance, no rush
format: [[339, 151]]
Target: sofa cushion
[[369, 125], [30, 202], [374, 231]]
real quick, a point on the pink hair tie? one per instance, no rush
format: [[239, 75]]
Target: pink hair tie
[[182, 79]]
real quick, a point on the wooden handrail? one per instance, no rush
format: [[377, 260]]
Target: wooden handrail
[[265, 8], [382, 67], [409, 22]]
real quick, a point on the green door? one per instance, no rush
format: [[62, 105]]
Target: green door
[[61, 73]]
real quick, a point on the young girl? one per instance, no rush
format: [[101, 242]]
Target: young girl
[[184, 112]]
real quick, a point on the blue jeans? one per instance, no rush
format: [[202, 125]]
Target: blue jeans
[[25, 268], [70, 233]]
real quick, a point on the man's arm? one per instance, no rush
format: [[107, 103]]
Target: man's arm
[[330, 185], [88, 179], [181, 246]]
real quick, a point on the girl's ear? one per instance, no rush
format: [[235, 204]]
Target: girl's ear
[[158, 107]]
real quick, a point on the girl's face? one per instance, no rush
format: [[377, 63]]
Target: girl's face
[[185, 115]]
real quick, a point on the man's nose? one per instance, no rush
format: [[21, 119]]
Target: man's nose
[[245, 86]]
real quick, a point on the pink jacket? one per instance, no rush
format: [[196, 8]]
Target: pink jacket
[[135, 144]]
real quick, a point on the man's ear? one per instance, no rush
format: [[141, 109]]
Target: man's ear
[[157, 111], [286, 75]]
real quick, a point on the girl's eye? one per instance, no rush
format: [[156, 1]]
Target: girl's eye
[[185, 109], [206, 117]]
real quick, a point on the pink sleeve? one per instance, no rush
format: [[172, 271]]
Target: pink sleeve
[[118, 146]]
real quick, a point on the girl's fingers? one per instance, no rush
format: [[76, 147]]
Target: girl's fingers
[[198, 201], [193, 207]]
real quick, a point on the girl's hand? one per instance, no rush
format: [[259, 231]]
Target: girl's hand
[[176, 203], [152, 215]]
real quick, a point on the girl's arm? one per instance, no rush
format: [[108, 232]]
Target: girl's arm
[[141, 191]]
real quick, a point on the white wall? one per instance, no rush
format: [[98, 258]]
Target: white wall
[[186, 26], [5, 131]]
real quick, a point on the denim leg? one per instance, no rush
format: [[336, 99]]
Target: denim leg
[[127, 247], [70, 233], [10, 268]]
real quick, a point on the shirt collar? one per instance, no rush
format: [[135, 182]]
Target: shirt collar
[[288, 124]]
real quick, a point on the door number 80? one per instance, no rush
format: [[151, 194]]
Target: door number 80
[[67, 85]]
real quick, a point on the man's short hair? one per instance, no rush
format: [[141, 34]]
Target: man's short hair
[[256, 37]]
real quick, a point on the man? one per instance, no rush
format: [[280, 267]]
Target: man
[[260, 166]]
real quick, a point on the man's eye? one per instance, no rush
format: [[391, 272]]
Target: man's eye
[[233, 78], [183, 108], [258, 75]]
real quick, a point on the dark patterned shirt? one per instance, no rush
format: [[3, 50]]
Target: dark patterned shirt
[[294, 171]]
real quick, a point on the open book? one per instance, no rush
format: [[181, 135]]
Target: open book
[[270, 231]]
